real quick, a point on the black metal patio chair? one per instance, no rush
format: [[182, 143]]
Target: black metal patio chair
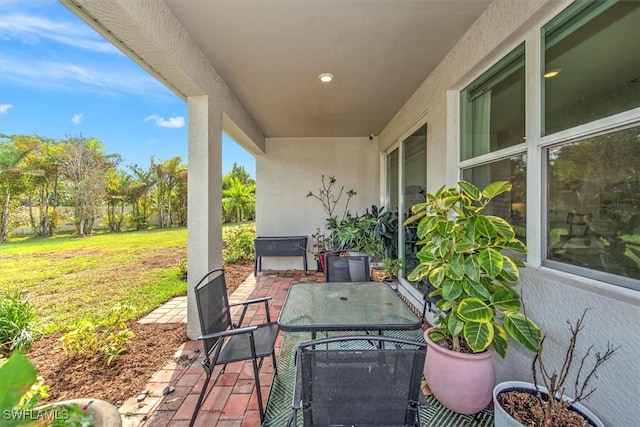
[[224, 341], [346, 381]]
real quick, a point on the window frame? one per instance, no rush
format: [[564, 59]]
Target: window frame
[[536, 147]]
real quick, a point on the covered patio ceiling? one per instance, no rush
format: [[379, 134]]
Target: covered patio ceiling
[[270, 54]]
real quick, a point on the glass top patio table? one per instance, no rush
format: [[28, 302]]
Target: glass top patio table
[[348, 306]]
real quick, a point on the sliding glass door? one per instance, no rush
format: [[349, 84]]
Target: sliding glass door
[[406, 181]]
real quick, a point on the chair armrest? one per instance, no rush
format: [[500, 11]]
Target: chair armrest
[[228, 333], [246, 304], [251, 301]]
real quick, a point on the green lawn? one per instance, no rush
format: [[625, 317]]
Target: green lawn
[[68, 279]]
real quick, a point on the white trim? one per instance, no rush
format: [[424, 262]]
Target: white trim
[[534, 185], [494, 156], [600, 126]]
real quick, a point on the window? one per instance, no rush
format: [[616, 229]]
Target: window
[[493, 127], [593, 172], [594, 203], [406, 169], [592, 63], [414, 181], [493, 108], [588, 147]]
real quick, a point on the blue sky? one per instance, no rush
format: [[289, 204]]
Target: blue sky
[[59, 78]]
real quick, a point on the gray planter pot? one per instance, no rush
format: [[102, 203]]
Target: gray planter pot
[[502, 419]]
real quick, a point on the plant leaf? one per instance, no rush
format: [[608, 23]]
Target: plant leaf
[[18, 375], [436, 275], [419, 272], [500, 340], [523, 330], [474, 310], [445, 228], [477, 290], [513, 245], [491, 261], [496, 188], [485, 227], [503, 228], [470, 190], [451, 289], [454, 324], [456, 267], [509, 271], [478, 335], [506, 299], [472, 268]]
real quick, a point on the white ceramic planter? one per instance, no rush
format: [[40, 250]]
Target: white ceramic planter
[[502, 419]]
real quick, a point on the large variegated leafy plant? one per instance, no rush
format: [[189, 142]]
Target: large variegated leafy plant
[[468, 258]]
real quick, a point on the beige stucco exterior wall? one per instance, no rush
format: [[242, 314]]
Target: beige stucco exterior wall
[[551, 297], [294, 166]]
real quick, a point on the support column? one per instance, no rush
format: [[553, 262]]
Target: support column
[[204, 249]]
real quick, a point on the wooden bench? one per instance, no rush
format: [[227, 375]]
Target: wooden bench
[[280, 246]]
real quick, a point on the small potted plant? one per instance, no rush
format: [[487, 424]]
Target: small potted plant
[[391, 268], [519, 403], [468, 257]]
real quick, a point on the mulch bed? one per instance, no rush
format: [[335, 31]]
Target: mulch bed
[[153, 345]]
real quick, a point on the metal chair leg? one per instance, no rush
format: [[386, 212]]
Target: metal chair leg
[[208, 371]]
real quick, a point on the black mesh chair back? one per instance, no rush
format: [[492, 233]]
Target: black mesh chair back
[[213, 310], [358, 381], [347, 267], [225, 341]]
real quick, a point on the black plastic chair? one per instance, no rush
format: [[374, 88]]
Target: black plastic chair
[[347, 267], [347, 381], [224, 341]]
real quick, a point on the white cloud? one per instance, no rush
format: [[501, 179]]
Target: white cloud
[[76, 119], [4, 108], [171, 122], [31, 29], [68, 77]]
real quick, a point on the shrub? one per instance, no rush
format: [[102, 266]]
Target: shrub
[[107, 338], [238, 243], [17, 323]]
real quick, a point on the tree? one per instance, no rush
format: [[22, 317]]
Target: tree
[[12, 154], [140, 196], [117, 193], [239, 196], [44, 165], [85, 166], [166, 173]]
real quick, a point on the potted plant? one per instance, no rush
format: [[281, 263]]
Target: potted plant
[[391, 268], [330, 201], [469, 259], [519, 403]]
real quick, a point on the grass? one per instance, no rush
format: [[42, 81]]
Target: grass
[[71, 279]]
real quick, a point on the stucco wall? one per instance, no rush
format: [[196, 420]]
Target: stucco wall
[[551, 297], [294, 166]]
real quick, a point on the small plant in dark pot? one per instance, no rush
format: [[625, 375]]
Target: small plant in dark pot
[[469, 258]]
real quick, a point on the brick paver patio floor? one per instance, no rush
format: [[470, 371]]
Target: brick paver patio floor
[[232, 402]]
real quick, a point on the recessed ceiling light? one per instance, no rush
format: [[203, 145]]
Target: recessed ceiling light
[[325, 77], [552, 73]]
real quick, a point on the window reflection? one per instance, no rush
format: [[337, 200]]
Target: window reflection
[[512, 205], [594, 203]]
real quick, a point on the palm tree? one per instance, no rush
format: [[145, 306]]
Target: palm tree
[[239, 195]]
